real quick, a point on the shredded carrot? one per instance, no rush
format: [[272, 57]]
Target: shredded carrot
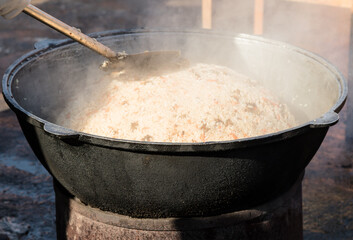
[[234, 102], [92, 112], [109, 100], [212, 80], [270, 101], [202, 137], [233, 136]]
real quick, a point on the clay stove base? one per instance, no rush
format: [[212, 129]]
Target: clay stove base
[[280, 218]]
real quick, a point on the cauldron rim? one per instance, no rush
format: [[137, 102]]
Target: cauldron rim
[[326, 120]]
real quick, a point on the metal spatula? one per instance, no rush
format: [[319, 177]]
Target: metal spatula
[[115, 59]]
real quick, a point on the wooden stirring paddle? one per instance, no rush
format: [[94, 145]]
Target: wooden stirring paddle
[[115, 59]]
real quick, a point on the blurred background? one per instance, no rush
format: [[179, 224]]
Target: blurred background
[[27, 209]]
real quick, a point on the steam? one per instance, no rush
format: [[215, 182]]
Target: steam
[[272, 19], [227, 16], [308, 24]]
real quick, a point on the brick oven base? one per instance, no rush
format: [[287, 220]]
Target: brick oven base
[[280, 218]]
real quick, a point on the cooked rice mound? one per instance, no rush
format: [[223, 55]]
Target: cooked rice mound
[[199, 103]]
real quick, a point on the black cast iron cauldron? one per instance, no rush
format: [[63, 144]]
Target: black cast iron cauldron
[[152, 179]]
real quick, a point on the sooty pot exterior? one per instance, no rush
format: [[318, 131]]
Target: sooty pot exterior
[[150, 179]]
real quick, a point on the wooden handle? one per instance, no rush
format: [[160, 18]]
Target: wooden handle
[[207, 14], [69, 31], [259, 17]]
